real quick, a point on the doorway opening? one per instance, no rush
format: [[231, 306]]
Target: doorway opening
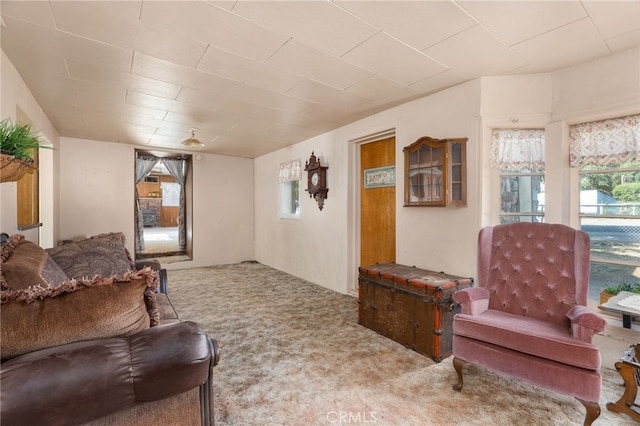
[[163, 225]]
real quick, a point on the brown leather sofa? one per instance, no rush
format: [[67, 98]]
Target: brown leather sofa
[[161, 375]]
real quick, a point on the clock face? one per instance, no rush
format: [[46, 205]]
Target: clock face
[[315, 178]]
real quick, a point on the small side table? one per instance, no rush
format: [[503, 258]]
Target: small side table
[[628, 314], [629, 369]]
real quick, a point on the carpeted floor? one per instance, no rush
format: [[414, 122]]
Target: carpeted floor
[[292, 353]]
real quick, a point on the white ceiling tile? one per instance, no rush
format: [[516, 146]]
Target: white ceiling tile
[[411, 21], [320, 24], [300, 59], [234, 67], [381, 89], [624, 42], [572, 44], [323, 94], [162, 70], [270, 99], [139, 120], [153, 102], [515, 21], [295, 119], [217, 103], [35, 12], [399, 62], [208, 125], [475, 52], [95, 130], [153, 87], [143, 113], [614, 18], [214, 25], [119, 25], [182, 118], [99, 96], [224, 4], [54, 88], [78, 70], [438, 82], [62, 115], [329, 113], [34, 43]]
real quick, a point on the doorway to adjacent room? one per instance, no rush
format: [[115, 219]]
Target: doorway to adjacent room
[[163, 225]]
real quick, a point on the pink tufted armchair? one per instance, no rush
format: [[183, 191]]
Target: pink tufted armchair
[[527, 316]]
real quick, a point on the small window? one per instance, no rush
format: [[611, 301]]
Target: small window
[[290, 200], [519, 155]]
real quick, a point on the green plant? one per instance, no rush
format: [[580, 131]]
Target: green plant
[[17, 140], [615, 289]]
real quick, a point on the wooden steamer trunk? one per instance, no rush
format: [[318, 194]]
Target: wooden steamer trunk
[[412, 306]]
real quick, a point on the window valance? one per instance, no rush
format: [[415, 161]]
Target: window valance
[[518, 149], [606, 142], [289, 171]]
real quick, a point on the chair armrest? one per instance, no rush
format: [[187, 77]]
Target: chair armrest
[[585, 323], [473, 300], [83, 381], [160, 271]]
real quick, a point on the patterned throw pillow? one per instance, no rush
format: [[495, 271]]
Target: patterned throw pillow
[[24, 264], [103, 255]]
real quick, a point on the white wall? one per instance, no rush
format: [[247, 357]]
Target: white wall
[[97, 196], [15, 97], [605, 88], [322, 246]]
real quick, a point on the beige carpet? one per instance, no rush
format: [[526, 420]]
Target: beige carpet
[[292, 353]]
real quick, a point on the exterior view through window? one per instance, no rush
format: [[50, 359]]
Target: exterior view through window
[[610, 214]]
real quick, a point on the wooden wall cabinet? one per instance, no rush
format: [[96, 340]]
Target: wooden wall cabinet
[[435, 172]]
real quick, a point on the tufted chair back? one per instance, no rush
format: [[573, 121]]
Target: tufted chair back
[[536, 270]]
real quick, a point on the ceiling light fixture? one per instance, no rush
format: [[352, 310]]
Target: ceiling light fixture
[[192, 142]]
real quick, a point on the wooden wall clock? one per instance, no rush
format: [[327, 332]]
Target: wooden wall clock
[[316, 180]]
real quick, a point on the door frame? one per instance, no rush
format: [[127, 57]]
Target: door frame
[[353, 200]]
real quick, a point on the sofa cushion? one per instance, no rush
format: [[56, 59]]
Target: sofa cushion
[[25, 264], [528, 335], [103, 255], [41, 317]]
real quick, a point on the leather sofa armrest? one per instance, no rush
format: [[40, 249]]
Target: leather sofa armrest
[[162, 273], [473, 300], [585, 323], [83, 381]]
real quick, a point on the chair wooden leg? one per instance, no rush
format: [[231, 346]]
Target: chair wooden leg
[[457, 364], [593, 411]]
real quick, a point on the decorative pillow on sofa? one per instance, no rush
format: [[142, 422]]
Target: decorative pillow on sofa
[[41, 317], [24, 264], [103, 255]]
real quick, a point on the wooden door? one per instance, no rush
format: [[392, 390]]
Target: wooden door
[[28, 190], [377, 206]]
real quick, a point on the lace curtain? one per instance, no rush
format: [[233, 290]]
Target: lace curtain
[[144, 165], [289, 171], [518, 149], [176, 168], [606, 142]]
